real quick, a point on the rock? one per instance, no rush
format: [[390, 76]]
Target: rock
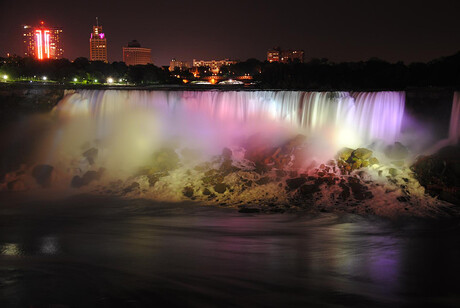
[[308, 190], [373, 161], [393, 172], [220, 188], [262, 181], [345, 194], [165, 159], [344, 154], [76, 182], [91, 155], [90, 176], [206, 192], [131, 187], [227, 154], [42, 175], [188, 191], [360, 191], [87, 178], [396, 151], [295, 183], [362, 153], [440, 173]]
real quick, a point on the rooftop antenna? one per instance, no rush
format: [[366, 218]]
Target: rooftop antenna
[[97, 22]]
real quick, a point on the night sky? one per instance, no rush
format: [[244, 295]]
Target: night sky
[[338, 30]]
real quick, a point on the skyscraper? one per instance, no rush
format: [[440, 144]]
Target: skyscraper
[[42, 42], [134, 54], [97, 44]]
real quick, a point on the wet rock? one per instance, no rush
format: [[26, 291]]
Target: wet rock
[[227, 154], [308, 190], [42, 175], [165, 159], [220, 188], [188, 191], [86, 179], [90, 176], [440, 173], [344, 154], [373, 161], [295, 183], [76, 182], [393, 172], [91, 155], [403, 199], [360, 191], [345, 193], [134, 186], [362, 153], [397, 151], [262, 181]]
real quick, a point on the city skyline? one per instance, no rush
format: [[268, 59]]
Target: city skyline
[[353, 31]]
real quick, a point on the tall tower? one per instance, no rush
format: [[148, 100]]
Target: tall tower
[[97, 44], [42, 42]]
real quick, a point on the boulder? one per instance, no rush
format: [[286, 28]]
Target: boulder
[[42, 175], [220, 188], [440, 173], [226, 154], [362, 153], [344, 154], [188, 191], [134, 186], [165, 159], [295, 183], [91, 155]]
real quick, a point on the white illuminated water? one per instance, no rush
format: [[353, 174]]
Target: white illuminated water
[[348, 118]]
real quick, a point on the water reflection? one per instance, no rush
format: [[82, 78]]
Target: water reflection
[[123, 251]]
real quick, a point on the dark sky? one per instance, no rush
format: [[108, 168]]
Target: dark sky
[[338, 30]]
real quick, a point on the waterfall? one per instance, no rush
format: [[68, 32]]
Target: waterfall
[[359, 117], [454, 127]]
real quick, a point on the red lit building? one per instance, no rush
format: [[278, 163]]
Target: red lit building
[[42, 42]]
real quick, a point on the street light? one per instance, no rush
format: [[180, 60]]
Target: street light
[[95, 80], [75, 80], [109, 80], [5, 77], [44, 78]]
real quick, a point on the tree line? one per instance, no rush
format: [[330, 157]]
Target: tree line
[[320, 74]]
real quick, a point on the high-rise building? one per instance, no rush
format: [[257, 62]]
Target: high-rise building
[[42, 42], [134, 54], [97, 44], [285, 56]]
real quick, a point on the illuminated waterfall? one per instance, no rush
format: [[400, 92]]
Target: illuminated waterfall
[[360, 117], [454, 128]]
